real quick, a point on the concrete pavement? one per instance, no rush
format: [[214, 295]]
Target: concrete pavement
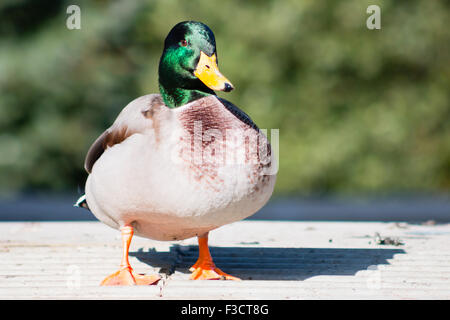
[[275, 259]]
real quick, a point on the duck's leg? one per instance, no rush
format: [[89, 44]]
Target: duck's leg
[[204, 268], [126, 276]]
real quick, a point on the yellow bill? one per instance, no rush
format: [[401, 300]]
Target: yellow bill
[[208, 73]]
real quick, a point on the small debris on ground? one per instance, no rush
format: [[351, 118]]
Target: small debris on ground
[[249, 242], [401, 225], [429, 223], [387, 240]]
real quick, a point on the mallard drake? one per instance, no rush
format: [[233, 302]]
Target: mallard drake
[[180, 163]]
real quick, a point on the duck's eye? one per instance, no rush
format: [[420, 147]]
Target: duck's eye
[[183, 43]]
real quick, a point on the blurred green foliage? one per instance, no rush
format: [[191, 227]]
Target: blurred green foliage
[[359, 111]]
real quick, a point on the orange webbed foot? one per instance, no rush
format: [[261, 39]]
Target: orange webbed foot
[[127, 277], [202, 273], [204, 268]]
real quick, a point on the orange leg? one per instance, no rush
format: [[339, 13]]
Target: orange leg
[[126, 275], [204, 268]]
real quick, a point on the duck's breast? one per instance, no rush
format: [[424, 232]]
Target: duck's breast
[[225, 155]]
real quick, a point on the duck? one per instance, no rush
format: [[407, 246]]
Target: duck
[[179, 163]]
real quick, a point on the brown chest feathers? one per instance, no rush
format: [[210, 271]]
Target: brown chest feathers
[[219, 138]]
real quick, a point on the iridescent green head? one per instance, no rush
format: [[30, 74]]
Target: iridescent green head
[[188, 66]]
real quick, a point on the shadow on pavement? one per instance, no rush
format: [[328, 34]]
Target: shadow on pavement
[[267, 263]]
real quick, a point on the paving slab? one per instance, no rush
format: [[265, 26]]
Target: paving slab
[[275, 260]]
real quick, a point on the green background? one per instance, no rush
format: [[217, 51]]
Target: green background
[[359, 111]]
